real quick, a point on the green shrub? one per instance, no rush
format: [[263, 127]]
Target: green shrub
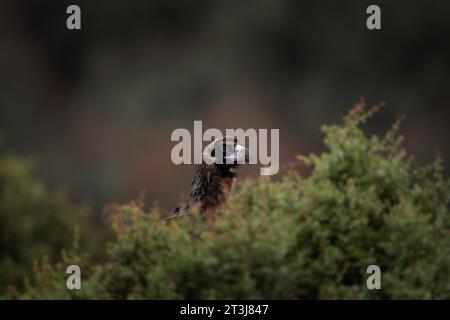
[[301, 237], [34, 221]]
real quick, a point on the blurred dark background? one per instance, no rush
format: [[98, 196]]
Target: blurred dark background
[[96, 107]]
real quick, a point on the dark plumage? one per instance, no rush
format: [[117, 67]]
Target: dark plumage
[[214, 177]]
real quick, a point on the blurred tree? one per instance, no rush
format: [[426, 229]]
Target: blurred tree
[[35, 221]]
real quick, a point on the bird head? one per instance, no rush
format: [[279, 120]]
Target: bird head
[[226, 153]]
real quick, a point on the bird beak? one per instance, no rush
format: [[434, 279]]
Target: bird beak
[[240, 155]]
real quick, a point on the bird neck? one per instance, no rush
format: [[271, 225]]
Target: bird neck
[[210, 185]]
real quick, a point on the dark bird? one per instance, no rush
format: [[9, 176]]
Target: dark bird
[[214, 177]]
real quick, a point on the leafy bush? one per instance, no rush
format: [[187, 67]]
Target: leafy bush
[[34, 221], [301, 237]]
